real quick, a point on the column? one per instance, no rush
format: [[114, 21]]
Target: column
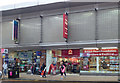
[[48, 59], [97, 61]]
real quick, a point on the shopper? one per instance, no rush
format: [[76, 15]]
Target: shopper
[[32, 69], [62, 70], [53, 68], [65, 67], [5, 68], [0, 74], [43, 70]]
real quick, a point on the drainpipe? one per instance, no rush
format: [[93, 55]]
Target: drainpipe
[[41, 31]]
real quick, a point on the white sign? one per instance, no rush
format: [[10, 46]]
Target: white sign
[[6, 51]]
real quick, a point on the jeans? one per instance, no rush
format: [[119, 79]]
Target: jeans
[[5, 71]]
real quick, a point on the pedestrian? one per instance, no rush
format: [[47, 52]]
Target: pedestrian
[[32, 70], [0, 74], [62, 70], [43, 70], [5, 68], [34, 67], [53, 68], [65, 67]]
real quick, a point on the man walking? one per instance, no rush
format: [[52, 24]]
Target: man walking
[[5, 68]]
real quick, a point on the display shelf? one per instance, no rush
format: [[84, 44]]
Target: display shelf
[[114, 64], [23, 65]]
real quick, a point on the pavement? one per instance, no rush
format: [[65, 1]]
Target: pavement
[[68, 78], [49, 82]]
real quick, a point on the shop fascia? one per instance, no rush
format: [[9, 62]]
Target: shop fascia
[[108, 51]]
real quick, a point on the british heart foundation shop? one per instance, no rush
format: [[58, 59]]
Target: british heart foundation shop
[[104, 60]]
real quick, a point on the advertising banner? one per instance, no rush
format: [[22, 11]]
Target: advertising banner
[[15, 34], [65, 26], [101, 52]]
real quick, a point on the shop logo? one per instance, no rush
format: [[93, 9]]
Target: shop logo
[[70, 52]]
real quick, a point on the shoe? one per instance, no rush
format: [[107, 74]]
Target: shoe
[[43, 76], [40, 75]]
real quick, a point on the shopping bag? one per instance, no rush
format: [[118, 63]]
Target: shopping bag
[[42, 72]]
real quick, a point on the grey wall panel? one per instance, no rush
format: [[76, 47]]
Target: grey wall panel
[[29, 15], [53, 29], [81, 26], [30, 31], [108, 24], [9, 18], [7, 33]]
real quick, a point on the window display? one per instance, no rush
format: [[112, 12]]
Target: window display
[[104, 63], [24, 65], [93, 64], [85, 64], [114, 63], [109, 63]]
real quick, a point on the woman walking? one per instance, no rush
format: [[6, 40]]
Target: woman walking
[[62, 70]]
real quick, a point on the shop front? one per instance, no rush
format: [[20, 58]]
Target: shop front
[[95, 60], [25, 59], [104, 60], [71, 58]]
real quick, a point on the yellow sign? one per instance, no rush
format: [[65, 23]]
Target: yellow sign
[[3, 55]]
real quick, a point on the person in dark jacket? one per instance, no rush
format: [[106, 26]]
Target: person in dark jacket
[[43, 70], [35, 65]]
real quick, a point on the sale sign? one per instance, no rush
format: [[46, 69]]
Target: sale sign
[[101, 52], [65, 25]]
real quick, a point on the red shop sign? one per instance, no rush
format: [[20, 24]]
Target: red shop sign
[[65, 26], [101, 52], [70, 53]]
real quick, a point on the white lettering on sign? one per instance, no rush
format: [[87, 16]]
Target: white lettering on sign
[[102, 52]]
